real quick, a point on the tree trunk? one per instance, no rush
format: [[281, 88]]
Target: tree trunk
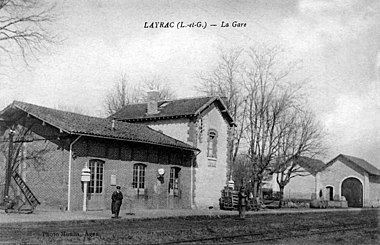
[[255, 188], [281, 196]]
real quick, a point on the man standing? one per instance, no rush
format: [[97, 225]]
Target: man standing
[[117, 199], [242, 205]]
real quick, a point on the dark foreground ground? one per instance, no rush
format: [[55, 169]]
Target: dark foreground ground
[[343, 227]]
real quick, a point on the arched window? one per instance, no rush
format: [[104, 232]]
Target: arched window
[[212, 141], [138, 176], [96, 181]]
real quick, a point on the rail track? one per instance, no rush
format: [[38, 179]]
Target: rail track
[[194, 230], [260, 236]]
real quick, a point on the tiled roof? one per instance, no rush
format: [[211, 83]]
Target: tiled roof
[[170, 108], [74, 123], [358, 162], [311, 165]]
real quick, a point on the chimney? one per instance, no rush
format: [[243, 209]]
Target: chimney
[[152, 102]]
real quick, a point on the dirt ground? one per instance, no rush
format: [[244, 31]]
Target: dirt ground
[[361, 227]]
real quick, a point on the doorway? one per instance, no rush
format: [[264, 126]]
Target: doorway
[[174, 189], [352, 190], [330, 193], [95, 189]]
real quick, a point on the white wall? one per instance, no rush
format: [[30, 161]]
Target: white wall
[[177, 128], [335, 174], [211, 180], [299, 187]]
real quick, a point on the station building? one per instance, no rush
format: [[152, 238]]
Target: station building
[[202, 122], [181, 162]]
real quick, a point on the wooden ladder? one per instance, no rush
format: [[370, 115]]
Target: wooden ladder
[[30, 197]]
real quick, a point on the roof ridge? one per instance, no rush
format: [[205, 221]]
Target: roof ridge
[[83, 115], [358, 158], [190, 106], [186, 98], [352, 160], [58, 110]]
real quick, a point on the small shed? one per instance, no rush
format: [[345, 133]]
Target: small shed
[[354, 178]]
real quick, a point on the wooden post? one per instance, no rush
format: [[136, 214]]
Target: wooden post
[[85, 178], [85, 183], [8, 174]]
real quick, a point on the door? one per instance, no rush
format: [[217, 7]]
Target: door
[[352, 190], [330, 193], [174, 190], [95, 198], [138, 184]]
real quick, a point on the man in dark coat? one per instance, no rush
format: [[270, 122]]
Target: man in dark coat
[[243, 202], [117, 199]]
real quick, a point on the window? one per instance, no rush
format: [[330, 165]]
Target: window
[[211, 144], [138, 176], [174, 181], [200, 129], [96, 181]]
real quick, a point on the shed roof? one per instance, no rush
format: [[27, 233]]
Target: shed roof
[[172, 108], [311, 165], [366, 166], [78, 124]]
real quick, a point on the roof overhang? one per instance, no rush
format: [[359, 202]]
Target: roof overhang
[[226, 114], [136, 141], [11, 113], [154, 118]]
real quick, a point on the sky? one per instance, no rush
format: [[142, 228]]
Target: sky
[[338, 42]]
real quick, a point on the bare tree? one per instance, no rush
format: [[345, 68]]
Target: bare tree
[[156, 83], [126, 92], [269, 94], [302, 140], [120, 95], [261, 91], [226, 81], [24, 27], [242, 170]]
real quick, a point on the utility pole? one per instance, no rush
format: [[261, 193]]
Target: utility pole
[[8, 175]]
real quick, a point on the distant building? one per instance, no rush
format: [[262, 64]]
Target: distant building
[[354, 178], [202, 122], [350, 177], [300, 187]]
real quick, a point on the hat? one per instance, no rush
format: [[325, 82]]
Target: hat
[[118, 187]]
